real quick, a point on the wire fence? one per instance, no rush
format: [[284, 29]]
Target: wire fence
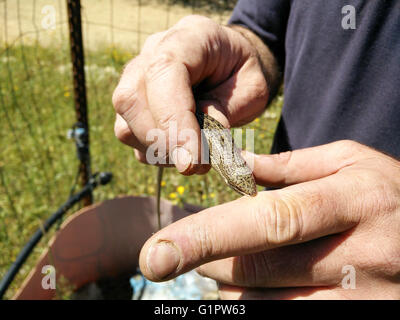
[[38, 163]]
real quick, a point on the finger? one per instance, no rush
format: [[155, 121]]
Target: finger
[[227, 292], [278, 170], [141, 157], [314, 263], [125, 134], [172, 105], [240, 98], [272, 219], [129, 100], [178, 65], [135, 125]]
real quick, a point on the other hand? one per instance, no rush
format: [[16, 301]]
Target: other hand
[[338, 211]]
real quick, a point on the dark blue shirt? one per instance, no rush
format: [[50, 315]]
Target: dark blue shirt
[[339, 82]]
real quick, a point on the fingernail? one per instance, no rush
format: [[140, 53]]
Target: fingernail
[[163, 259], [181, 158]]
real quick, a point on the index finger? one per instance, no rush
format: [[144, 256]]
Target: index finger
[[295, 214], [172, 105]]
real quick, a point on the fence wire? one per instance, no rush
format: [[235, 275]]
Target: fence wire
[[38, 164]]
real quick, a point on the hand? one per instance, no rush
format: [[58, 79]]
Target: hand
[[196, 62], [339, 207]]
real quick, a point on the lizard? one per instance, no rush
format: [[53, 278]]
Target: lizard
[[224, 156]]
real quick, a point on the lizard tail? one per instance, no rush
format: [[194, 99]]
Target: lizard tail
[[159, 179]]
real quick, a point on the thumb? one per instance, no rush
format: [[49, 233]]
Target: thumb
[[291, 167]]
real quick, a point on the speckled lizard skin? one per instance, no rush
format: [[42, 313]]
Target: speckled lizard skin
[[225, 158]]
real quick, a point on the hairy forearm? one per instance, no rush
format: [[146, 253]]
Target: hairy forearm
[[269, 64]]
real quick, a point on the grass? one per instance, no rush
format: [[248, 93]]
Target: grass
[[38, 163]]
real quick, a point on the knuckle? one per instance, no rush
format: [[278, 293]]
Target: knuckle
[[346, 144], [257, 82], [380, 192], [166, 119], [140, 156], [279, 220], [284, 159], [189, 26], [124, 99], [117, 99], [152, 41], [390, 262], [131, 65], [261, 91], [203, 244], [385, 262], [159, 64], [349, 148], [195, 20], [122, 131]]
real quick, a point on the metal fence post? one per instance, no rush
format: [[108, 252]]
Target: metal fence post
[[77, 59]]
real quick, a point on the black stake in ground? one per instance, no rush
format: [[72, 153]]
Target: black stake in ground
[[77, 59]]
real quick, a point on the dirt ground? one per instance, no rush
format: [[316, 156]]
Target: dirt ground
[[124, 23]]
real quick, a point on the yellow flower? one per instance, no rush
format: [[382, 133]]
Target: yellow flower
[[212, 195], [115, 54], [66, 94], [257, 120], [163, 183], [172, 195], [150, 189], [180, 189], [127, 56], [16, 88], [203, 196]]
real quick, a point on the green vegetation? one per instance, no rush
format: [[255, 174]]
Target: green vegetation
[[38, 163]]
